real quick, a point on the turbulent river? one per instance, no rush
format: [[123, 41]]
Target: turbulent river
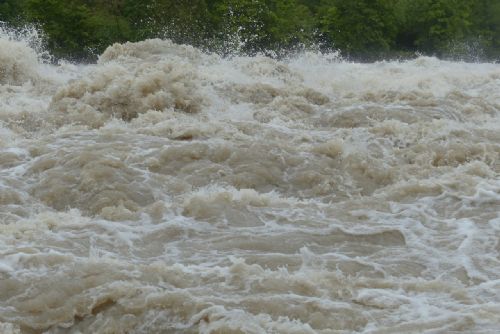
[[166, 190]]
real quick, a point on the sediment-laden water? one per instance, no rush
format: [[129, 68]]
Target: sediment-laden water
[[165, 190]]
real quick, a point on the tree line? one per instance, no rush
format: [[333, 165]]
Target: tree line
[[359, 29]]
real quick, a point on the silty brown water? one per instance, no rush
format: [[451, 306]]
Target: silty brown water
[[165, 190]]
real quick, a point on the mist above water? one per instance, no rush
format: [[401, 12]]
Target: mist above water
[[167, 190]]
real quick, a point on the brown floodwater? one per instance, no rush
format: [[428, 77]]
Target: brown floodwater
[[166, 190]]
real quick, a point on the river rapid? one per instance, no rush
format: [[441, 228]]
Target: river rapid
[[166, 190]]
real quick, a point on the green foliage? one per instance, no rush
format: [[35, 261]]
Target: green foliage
[[184, 21], [242, 24], [358, 27], [76, 29], [361, 29], [66, 24], [437, 23], [259, 26], [291, 23], [486, 21], [12, 11]]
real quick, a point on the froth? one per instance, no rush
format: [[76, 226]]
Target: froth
[[125, 92], [152, 49], [18, 62]]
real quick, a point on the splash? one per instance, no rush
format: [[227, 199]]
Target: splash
[[18, 61]]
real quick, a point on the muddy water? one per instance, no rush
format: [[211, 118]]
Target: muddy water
[[164, 190]]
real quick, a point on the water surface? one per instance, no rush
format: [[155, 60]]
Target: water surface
[[165, 190]]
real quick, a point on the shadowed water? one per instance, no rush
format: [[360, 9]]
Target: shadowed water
[[165, 190]]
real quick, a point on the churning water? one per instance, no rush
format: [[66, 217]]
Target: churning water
[[165, 190]]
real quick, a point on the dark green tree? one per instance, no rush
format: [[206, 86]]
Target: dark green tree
[[291, 23], [486, 26], [242, 25], [79, 29], [183, 21], [358, 27], [361, 29], [12, 11], [438, 25]]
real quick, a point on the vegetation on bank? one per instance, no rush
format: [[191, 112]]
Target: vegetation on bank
[[360, 29]]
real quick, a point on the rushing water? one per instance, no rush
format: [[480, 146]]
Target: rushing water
[[164, 190]]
